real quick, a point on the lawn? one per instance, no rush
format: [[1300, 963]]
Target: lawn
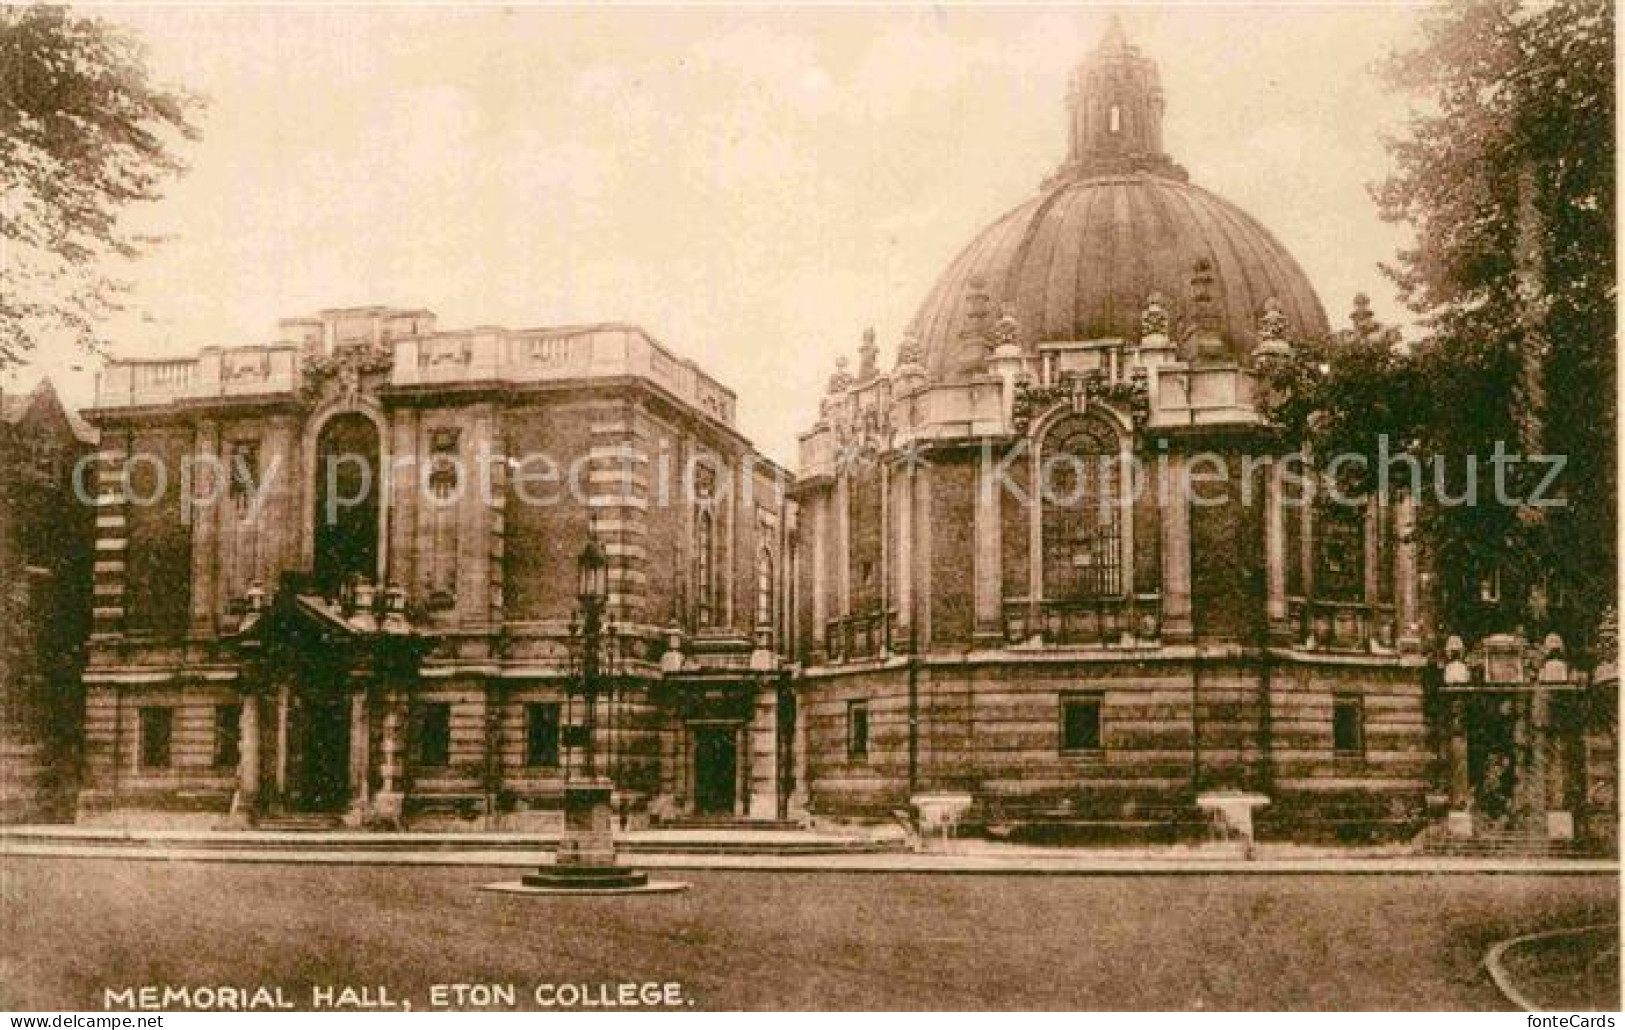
[[743, 940]]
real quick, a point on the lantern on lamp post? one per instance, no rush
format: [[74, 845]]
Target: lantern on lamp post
[[585, 861], [592, 594]]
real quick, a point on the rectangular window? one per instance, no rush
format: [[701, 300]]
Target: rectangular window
[[47, 461], [857, 730], [1080, 722], [434, 734], [542, 734], [1348, 726], [157, 726], [227, 735]]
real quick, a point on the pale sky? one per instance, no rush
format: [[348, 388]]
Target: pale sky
[[754, 186]]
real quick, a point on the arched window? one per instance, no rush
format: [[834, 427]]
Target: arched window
[[764, 589], [348, 505], [1117, 118], [1080, 482], [705, 561]]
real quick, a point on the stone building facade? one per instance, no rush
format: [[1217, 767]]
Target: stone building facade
[[358, 602], [45, 548], [1054, 580], [1045, 576]]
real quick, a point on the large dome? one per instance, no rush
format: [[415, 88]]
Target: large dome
[[1116, 224]]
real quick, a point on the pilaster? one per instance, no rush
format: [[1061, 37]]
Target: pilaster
[[246, 805], [902, 514], [988, 573], [843, 545], [762, 741], [112, 535], [1275, 556], [818, 513], [1176, 551], [1460, 784], [207, 507], [618, 499], [360, 754], [1407, 603]]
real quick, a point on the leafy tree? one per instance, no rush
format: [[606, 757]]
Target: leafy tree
[[1508, 180], [84, 133]]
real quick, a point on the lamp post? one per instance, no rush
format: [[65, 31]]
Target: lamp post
[[592, 593], [585, 861]]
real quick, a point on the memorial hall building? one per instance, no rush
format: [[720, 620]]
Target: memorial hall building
[[1041, 577], [368, 611], [1056, 586]]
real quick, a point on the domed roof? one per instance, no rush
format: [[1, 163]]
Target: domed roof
[[1115, 225]]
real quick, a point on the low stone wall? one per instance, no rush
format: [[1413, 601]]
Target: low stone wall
[[1169, 729]]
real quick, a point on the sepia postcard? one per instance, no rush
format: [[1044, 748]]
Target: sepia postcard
[[656, 509]]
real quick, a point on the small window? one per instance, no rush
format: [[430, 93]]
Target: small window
[[227, 735], [47, 460], [245, 470], [1117, 118], [434, 734], [857, 730], [1348, 726], [157, 727], [1489, 586], [1080, 722], [542, 734]]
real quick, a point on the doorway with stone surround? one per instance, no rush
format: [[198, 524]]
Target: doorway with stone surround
[[319, 745], [716, 778]]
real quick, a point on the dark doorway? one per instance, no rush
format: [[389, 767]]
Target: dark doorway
[[347, 491], [323, 769], [716, 769], [1490, 724]]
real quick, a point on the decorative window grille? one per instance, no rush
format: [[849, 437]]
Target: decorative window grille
[[1339, 535], [1081, 487]]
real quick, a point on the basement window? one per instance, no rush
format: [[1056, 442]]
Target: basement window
[[1080, 723], [1348, 726], [542, 735], [227, 735], [157, 729], [857, 731], [434, 735]]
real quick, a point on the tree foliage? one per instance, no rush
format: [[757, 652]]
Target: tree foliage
[[84, 134], [1507, 177]]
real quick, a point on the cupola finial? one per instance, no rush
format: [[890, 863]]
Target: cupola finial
[[1114, 38], [1115, 112]]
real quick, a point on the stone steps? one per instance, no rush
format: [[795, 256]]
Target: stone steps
[[585, 878], [300, 823], [1503, 845], [311, 839], [730, 823]]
